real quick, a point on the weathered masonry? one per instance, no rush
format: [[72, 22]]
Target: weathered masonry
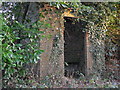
[[65, 43], [66, 47]]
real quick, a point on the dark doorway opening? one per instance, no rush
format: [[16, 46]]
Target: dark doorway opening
[[74, 47]]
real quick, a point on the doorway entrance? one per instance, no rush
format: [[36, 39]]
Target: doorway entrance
[[74, 47]]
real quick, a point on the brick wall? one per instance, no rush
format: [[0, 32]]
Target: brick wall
[[52, 59], [89, 58]]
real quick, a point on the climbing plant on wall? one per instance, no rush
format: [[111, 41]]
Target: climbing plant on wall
[[20, 37], [102, 23], [113, 21], [20, 47]]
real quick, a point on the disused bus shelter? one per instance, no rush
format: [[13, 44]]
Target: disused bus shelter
[[65, 45]]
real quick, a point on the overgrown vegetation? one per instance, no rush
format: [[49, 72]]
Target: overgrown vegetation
[[20, 48], [17, 55], [20, 41], [102, 25]]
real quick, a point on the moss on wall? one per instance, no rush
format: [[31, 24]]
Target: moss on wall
[[52, 42], [52, 59]]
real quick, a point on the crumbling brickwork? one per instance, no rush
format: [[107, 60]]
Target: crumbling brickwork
[[52, 42], [52, 59]]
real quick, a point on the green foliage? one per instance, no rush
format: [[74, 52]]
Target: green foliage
[[19, 49], [20, 44], [113, 21], [102, 20]]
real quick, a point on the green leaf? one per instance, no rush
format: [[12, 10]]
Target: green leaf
[[48, 25]]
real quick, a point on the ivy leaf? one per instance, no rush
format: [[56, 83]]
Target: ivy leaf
[[58, 6]]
